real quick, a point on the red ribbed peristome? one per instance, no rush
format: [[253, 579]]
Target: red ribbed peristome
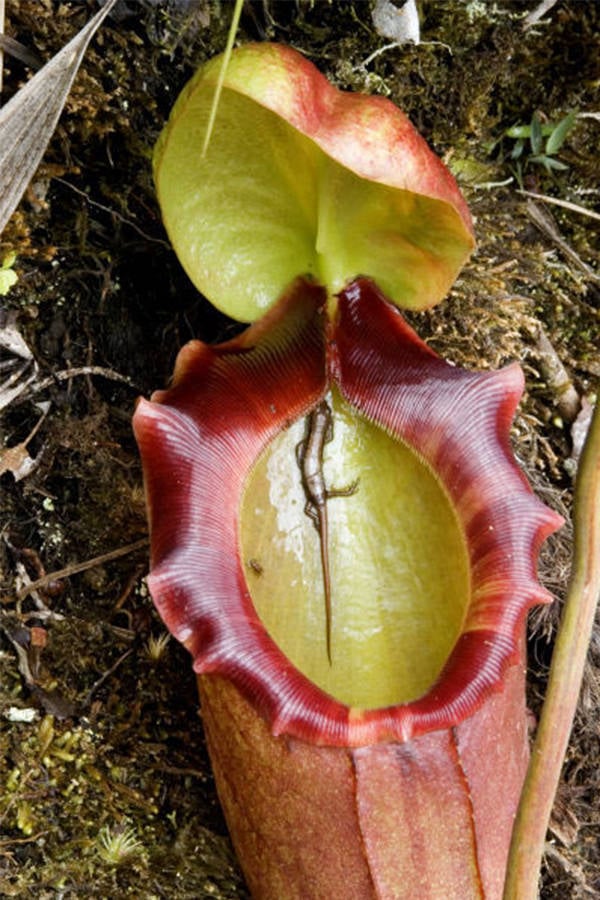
[[200, 438]]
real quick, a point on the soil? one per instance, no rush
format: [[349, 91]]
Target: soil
[[106, 785]]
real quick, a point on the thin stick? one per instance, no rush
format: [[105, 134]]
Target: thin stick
[[564, 684], [81, 567], [111, 211], [566, 204], [536, 14], [568, 401], [19, 51], [104, 676], [67, 374], [544, 221], [226, 55], [374, 55]]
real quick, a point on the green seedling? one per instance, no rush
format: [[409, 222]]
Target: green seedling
[[8, 276], [539, 142]]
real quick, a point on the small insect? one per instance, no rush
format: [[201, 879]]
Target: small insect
[[255, 566], [309, 453]]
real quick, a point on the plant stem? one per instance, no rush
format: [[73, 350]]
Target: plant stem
[[235, 18], [566, 673]]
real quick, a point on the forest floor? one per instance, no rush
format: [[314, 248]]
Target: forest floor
[[106, 786]]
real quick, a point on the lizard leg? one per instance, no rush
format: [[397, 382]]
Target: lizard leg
[[312, 512], [343, 492]]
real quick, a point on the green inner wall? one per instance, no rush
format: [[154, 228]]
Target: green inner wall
[[399, 567]]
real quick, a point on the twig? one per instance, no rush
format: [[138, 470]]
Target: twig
[[15, 384], [572, 869], [126, 592], [26, 840], [30, 386], [395, 45], [566, 204], [374, 55], [19, 51], [557, 378], [112, 212], [104, 676], [564, 684], [75, 568], [14, 48], [536, 14], [42, 610], [546, 224], [66, 374], [176, 770], [488, 185]]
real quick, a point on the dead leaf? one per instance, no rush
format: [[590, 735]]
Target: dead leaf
[[28, 120], [17, 365], [16, 459]]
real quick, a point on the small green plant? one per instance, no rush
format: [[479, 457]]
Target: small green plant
[[8, 276], [118, 845], [538, 143], [156, 646]]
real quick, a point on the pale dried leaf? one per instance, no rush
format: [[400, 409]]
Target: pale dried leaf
[[11, 339], [28, 120], [400, 24], [16, 460], [17, 365]]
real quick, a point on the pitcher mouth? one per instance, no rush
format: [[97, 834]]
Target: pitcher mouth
[[201, 439]]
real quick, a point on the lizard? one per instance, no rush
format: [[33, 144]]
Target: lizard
[[309, 453]]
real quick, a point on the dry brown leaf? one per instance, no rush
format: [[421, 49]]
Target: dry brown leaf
[[16, 459]]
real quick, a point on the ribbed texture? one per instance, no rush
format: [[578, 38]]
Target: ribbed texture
[[459, 423], [200, 438]]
